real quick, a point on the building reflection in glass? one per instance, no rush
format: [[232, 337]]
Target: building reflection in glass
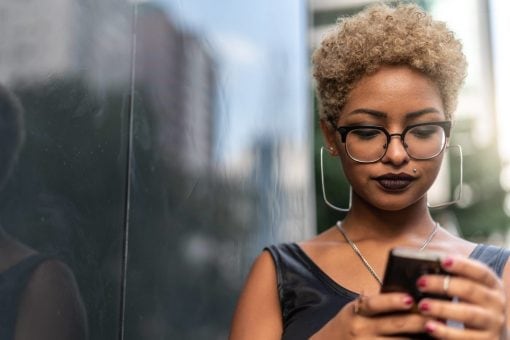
[[220, 165], [215, 165], [68, 62]]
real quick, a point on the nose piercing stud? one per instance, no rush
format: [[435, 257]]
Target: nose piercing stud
[[414, 170]]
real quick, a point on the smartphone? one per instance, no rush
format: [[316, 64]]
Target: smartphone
[[403, 269], [405, 266]]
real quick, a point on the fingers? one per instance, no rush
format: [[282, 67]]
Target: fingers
[[385, 314], [472, 316], [394, 325], [472, 270], [383, 303], [481, 300], [471, 281], [462, 288], [400, 324], [441, 331]]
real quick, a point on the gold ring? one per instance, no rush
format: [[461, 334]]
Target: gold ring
[[357, 304], [446, 284]]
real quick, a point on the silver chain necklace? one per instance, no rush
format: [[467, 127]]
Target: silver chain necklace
[[364, 260]]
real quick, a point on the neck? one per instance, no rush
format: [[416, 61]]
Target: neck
[[365, 220]]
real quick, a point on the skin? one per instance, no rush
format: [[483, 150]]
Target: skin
[[50, 306], [393, 97]]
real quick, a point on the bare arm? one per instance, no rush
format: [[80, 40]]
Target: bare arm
[[506, 286], [51, 307], [258, 313]]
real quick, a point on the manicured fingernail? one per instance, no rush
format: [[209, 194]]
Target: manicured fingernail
[[430, 327], [448, 262], [422, 282], [424, 306], [408, 300]]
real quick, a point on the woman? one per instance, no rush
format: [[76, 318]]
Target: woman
[[387, 80], [39, 297]]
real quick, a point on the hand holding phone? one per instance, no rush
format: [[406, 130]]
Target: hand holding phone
[[405, 266]]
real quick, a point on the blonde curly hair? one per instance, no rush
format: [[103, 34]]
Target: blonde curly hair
[[383, 35]]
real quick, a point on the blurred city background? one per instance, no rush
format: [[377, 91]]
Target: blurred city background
[[169, 141]]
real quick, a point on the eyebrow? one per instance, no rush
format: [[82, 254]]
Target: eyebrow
[[409, 115]]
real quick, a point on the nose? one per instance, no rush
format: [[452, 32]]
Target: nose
[[395, 151]]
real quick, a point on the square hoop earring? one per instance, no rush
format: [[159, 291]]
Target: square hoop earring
[[460, 185], [328, 203]]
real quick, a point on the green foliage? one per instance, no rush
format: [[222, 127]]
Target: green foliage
[[483, 213]]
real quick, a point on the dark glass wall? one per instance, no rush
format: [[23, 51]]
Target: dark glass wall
[[149, 151], [220, 161], [62, 209]]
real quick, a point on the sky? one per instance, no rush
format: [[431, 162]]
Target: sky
[[262, 58]]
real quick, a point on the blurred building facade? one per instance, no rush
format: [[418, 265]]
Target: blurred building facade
[[65, 38], [177, 74]]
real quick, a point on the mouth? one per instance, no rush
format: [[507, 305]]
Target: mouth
[[395, 182]]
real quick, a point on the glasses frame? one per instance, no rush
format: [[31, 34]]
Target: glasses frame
[[446, 125]]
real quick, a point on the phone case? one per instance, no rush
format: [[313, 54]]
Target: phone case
[[404, 268]]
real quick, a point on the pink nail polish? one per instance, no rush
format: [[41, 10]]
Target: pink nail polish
[[430, 327], [424, 306], [448, 262], [422, 282], [408, 300]]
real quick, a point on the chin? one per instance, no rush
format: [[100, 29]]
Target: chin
[[392, 207], [395, 203]]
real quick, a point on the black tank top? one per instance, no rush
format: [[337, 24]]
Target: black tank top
[[309, 298]]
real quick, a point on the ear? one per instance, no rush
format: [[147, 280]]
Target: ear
[[330, 138]]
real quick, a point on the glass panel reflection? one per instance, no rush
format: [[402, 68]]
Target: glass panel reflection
[[220, 163], [62, 208]]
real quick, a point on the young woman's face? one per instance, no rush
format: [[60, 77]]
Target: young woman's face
[[394, 97]]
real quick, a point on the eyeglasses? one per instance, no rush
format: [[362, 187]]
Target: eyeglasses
[[368, 144]]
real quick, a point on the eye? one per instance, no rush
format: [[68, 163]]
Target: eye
[[365, 134], [424, 131]]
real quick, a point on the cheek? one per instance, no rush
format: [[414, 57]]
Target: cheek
[[432, 168], [353, 171]]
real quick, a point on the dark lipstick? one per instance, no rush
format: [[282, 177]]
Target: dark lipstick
[[395, 182]]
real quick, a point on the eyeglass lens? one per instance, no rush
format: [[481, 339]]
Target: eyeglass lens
[[420, 142]]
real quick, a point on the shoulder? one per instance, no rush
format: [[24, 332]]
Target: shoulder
[[258, 312], [494, 257], [323, 246], [445, 241], [51, 304], [505, 277], [49, 276], [52, 275], [264, 263], [51, 270]]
